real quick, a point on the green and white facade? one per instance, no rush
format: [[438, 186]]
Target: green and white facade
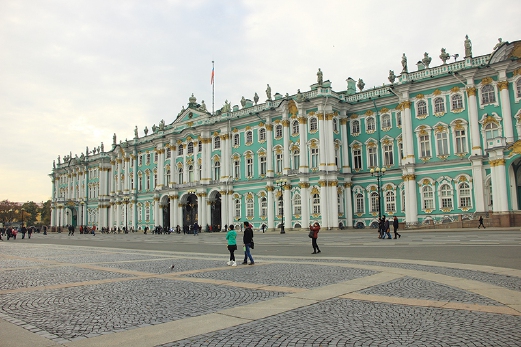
[[448, 137]]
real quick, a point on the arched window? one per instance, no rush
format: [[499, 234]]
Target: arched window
[[518, 87], [442, 143], [249, 208], [355, 127], [180, 175], [278, 131], [190, 149], [491, 131], [386, 121], [262, 165], [237, 203], [147, 184], [236, 140], [295, 127], [428, 198], [262, 134], [249, 137], [216, 142], [388, 154], [457, 102], [403, 200], [357, 159], [180, 149], [461, 141], [316, 203], [398, 119], [390, 201], [297, 205], [263, 207], [296, 159], [249, 167], [375, 202], [200, 146], [168, 154], [370, 124], [217, 171], [422, 108], [446, 196], [487, 95], [314, 157], [425, 146], [167, 177], [236, 169], [313, 125], [464, 195], [278, 162], [190, 173], [371, 156], [335, 125], [439, 105], [359, 203]]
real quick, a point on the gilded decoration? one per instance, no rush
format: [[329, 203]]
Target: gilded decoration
[[353, 116], [486, 80], [215, 133], [223, 137], [249, 196], [269, 127], [179, 165], [439, 114], [387, 141], [373, 189], [315, 191], [235, 130], [420, 96], [369, 113], [330, 116], [179, 142], [348, 185], [502, 85], [248, 127], [285, 123], [320, 116], [343, 121], [371, 145], [303, 185], [270, 188], [457, 110], [437, 92], [189, 138], [278, 150], [384, 110], [471, 91], [313, 144], [490, 119], [516, 147], [517, 72], [302, 120], [440, 128], [262, 194], [190, 124], [249, 155], [463, 179], [261, 124], [422, 131], [292, 107], [312, 113]]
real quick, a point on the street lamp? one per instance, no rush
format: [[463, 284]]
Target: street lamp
[[378, 173], [282, 184]]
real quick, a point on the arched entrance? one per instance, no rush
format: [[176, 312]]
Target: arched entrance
[[190, 206], [215, 211], [516, 171], [165, 211]]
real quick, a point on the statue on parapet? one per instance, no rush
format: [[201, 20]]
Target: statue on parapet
[[102, 147], [243, 102], [114, 139], [468, 47], [146, 130], [154, 129], [300, 97], [203, 106], [54, 164], [444, 56], [499, 44], [268, 92], [136, 135], [162, 124], [360, 84], [404, 64], [426, 60], [320, 78], [256, 98], [392, 76]]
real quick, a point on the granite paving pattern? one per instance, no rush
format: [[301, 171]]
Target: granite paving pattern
[[165, 265]]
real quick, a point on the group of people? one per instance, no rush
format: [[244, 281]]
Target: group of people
[[12, 232], [247, 241], [384, 228]]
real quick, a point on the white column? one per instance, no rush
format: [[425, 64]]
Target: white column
[[506, 111], [330, 144], [271, 207], [473, 119], [111, 176], [333, 200], [348, 198], [303, 131], [285, 158], [304, 199], [288, 209], [345, 147], [156, 211], [172, 201], [501, 187], [53, 216], [160, 168], [269, 150], [118, 213], [120, 183], [231, 207], [478, 184], [127, 174], [322, 148], [411, 203], [134, 173], [407, 133], [203, 211], [224, 207], [323, 202]]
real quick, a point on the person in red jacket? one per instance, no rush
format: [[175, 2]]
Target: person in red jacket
[[315, 228]]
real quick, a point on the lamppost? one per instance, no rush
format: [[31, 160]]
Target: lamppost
[[282, 184], [23, 210], [126, 200], [378, 173]]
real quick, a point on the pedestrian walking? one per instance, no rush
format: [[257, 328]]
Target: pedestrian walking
[[45, 229], [231, 238], [315, 228], [381, 233], [23, 230], [395, 227], [481, 222], [30, 232], [263, 227], [247, 239], [387, 228], [195, 228]]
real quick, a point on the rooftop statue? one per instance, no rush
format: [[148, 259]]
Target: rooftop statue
[[94, 150], [136, 135], [82, 157], [360, 84], [102, 149], [154, 129], [499, 44], [392, 76], [59, 160], [468, 47], [203, 106], [87, 150], [146, 130], [320, 78], [256, 98], [114, 139], [54, 164], [243, 102], [444, 56], [300, 97], [162, 124], [268, 92], [426, 60], [404, 64]]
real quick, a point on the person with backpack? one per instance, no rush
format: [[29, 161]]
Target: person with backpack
[[315, 228], [231, 238]]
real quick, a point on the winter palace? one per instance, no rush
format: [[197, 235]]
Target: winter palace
[[436, 145]]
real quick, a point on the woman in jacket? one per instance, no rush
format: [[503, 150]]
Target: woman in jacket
[[315, 228], [231, 237]]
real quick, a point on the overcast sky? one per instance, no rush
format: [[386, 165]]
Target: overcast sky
[[75, 72]]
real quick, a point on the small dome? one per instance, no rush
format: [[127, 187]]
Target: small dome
[[192, 99]]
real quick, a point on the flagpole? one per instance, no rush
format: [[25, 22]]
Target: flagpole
[[213, 88]]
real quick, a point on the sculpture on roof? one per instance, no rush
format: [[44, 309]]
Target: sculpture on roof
[[59, 160], [444, 56], [320, 79], [300, 97], [499, 44], [136, 132], [203, 106], [102, 149], [82, 157], [114, 139], [392, 76], [87, 150], [154, 129], [54, 164], [404, 63], [243, 102], [162, 124], [360, 84], [256, 98], [468, 47], [226, 107], [268, 92], [146, 131], [426, 60]]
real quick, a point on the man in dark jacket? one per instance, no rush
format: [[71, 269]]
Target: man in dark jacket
[[247, 240]]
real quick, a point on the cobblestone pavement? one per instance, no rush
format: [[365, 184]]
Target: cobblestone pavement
[[52, 295]]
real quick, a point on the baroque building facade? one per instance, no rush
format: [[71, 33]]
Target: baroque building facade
[[447, 137]]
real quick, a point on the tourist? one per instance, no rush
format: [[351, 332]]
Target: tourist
[[395, 226], [386, 228], [481, 222], [247, 240], [315, 228], [196, 228], [231, 237], [23, 230]]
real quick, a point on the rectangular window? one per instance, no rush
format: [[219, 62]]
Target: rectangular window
[[236, 169], [249, 208], [425, 146], [357, 159], [461, 141], [371, 154], [442, 143], [278, 163], [388, 155], [249, 167]]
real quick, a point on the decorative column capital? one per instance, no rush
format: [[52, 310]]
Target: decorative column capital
[[502, 85], [471, 91]]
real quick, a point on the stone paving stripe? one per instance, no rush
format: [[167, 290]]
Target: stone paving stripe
[[268, 308], [162, 333], [431, 303], [245, 285], [12, 335], [502, 295], [334, 290]]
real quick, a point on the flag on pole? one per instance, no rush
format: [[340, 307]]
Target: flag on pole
[[211, 80]]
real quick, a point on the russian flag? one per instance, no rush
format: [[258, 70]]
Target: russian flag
[[213, 73]]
